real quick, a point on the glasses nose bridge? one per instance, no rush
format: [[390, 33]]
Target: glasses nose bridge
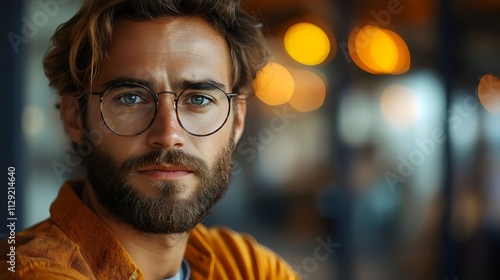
[[175, 94]]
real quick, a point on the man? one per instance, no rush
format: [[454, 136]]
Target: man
[[156, 89]]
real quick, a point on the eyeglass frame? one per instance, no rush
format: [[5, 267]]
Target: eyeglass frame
[[229, 96]]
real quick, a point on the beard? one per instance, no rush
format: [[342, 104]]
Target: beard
[[164, 212]]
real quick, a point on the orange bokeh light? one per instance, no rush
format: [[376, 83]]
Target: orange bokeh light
[[488, 93], [404, 57], [379, 51], [274, 84], [310, 91]]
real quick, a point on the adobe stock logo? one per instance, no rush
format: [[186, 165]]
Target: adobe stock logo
[[381, 18], [252, 145], [426, 147], [320, 254], [74, 157], [39, 19]]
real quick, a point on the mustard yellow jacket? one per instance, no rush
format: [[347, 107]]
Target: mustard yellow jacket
[[74, 243]]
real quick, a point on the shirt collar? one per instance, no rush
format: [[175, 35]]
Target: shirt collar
[[104, 253], [101, 250], [199, 254]]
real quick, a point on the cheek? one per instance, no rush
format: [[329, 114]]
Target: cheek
[[122, 148], [119, 148], [94, 120], [212, 146]]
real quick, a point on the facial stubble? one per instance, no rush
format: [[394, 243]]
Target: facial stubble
[[165, 212]]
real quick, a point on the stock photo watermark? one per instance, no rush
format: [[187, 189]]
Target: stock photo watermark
[[426, 147], [11, 218], [250, 147], [74, 156], [381, 18], [321, 253], [31, 24]]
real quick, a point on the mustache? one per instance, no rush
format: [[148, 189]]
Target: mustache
[[165, 156]]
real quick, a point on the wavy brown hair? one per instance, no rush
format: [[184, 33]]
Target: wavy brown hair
[[79, 46]]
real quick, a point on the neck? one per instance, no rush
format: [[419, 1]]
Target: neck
[[157, 255]]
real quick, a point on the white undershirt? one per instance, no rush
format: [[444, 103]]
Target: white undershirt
[[183, 274]]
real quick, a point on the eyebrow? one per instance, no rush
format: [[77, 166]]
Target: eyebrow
[[125, 79], [178, 84], [200, 84]]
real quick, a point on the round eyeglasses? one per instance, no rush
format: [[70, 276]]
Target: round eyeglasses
[[129, 109]]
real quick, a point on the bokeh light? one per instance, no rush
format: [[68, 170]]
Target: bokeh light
[[356, 120], [274, 84], [376, 49], [404, 57], [399, 106], [310, 91], [488, 93], [307, 43], [33, 121], [379, 51]]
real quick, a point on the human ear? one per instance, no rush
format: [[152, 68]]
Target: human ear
[[239, 124], [71, 116]]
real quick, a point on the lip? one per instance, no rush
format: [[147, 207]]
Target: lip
[[165, 172]]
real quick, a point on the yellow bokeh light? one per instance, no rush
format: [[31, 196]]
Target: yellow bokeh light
[[376, 49], [354, 53], [310, 91], [399, 106], [379, 51], [274, 84], [404, 57], [307, 43], [488, 93]]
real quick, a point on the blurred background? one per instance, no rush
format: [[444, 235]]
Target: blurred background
[[372, 146]]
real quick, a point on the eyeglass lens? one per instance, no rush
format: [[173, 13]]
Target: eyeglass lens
[[129, 109]]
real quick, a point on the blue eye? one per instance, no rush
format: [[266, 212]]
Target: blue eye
[[198, 100], [131, 98]]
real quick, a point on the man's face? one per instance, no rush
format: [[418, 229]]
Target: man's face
[[163, 180]]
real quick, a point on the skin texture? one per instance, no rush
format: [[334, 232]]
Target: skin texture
[[166, 53]]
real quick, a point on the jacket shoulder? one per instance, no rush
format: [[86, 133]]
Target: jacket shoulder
[[40, 248], [242, 252]]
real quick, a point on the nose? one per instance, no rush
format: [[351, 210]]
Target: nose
[[165, 131]]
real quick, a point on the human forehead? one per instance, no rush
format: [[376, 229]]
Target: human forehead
[[168, 49], [168, 30]]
